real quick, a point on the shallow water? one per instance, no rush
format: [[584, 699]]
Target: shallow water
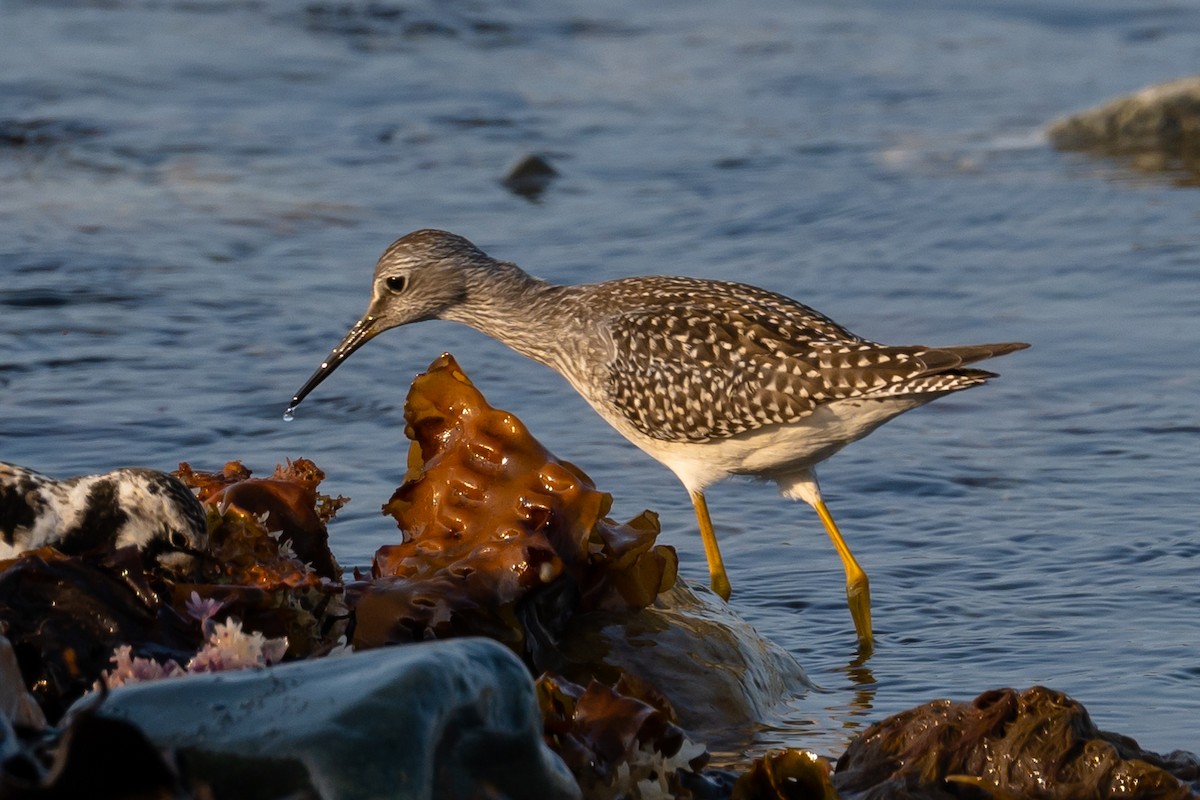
[[194, 195]]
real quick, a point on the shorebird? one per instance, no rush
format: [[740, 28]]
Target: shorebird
[[151, 510], [711, 378]]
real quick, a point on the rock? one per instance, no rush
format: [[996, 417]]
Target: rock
[[530, 177], [453, 719], [94, 757], [1158, 127], [17, 706], [18, 709], [78, 761], [721, 677], [1007, 744]]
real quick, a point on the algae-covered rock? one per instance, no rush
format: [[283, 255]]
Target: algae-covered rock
[[442, 720], [1038, 743], [269, 561], [69, 617], [1157, 128]]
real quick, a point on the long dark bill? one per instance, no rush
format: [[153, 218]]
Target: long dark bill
[[363, 331]]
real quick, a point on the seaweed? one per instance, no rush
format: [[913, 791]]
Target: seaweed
[[500, 538]]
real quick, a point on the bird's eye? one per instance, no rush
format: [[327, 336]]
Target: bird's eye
[[397, 283], [178, 539]]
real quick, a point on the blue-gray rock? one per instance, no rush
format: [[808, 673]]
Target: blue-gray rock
[[450, 719]]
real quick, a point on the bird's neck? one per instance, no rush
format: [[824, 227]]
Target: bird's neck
[[515, 308]]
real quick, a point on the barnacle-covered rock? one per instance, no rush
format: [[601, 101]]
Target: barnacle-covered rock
[[1038, 743], [491, 519]]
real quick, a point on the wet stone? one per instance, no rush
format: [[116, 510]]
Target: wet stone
[[440, 720], [721, 677]]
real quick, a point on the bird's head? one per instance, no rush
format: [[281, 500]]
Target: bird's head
[[421, 276]]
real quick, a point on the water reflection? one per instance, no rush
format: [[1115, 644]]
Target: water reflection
[[862, 698]]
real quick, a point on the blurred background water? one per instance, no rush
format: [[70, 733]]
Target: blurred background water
[[193, 194]]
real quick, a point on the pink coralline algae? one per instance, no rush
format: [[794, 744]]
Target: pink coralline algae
[[227, 647]]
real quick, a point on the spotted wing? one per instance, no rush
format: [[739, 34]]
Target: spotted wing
[[714, 360]]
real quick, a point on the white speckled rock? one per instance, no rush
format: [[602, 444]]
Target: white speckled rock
[[451, 719]]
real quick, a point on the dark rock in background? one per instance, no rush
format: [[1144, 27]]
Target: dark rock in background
[[530, 177]]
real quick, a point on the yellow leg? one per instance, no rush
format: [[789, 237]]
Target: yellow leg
[[858, 591], [716, 567]]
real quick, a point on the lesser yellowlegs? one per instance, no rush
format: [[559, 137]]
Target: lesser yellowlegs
[[711, 378]]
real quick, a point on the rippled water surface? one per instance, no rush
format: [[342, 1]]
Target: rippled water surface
[[194, 194]]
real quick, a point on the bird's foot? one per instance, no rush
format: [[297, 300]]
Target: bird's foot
[[858, 596], [719, 582]]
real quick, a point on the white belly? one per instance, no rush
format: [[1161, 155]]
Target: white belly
[[778, 452]]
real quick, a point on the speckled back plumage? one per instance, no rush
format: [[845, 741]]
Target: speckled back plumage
[[692, 360]]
